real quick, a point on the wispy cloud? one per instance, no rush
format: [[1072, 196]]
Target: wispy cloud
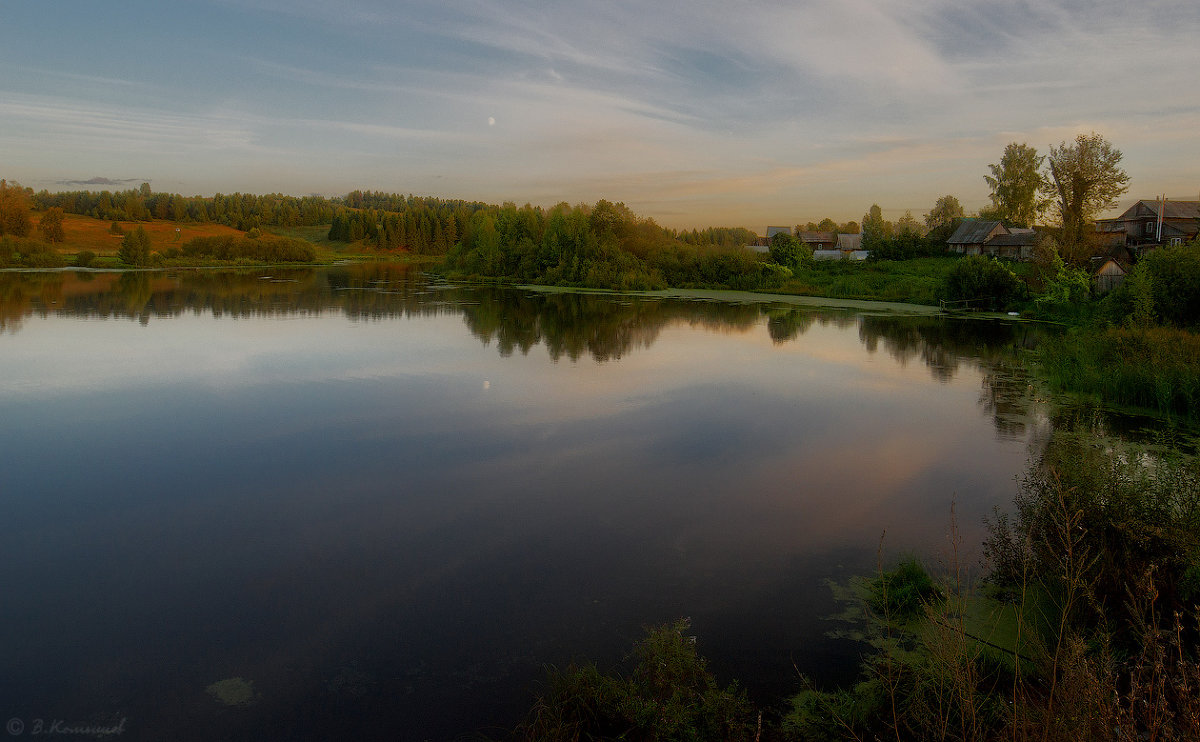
[[100, 180], [765, 104]]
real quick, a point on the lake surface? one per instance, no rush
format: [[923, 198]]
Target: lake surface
[[385, 503]]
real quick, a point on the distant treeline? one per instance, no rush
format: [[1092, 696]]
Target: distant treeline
[[601, 246], [243, 211]]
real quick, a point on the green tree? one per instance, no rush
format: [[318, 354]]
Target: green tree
[[787, 250], [945, 212], [875, 228], [51, 225], [907, 225], [135, 248], [1016, 184], [1085, 179]]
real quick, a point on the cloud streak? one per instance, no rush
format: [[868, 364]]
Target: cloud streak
[[776, 111]]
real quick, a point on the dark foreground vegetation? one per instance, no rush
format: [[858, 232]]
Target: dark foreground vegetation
[[1085, 628]]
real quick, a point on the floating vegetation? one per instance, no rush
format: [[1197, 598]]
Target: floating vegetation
[[234, 692]]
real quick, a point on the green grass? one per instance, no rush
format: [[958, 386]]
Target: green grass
[[1157, 368], [915, 281]]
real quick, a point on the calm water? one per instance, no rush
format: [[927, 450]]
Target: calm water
[[387, 503]]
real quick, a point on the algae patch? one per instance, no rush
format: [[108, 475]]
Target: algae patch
[[234, 692]]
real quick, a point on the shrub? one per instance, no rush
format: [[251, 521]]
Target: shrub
[[84, 258], [267, 248], [903, 592], [670, 695], [985, 282]]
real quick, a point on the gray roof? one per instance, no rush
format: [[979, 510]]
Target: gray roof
[[973, 232], [1175, 209], [772, 231], [1017, 239], [1149, 207]]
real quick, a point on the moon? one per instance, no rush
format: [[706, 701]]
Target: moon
[[491, 120]]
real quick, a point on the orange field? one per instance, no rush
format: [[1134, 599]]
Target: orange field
[[86, 233]]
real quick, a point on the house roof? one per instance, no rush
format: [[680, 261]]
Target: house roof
[[973, 231], [1016, 239], [818, 237], [1174, 210]]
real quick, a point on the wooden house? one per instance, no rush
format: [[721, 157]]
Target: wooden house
[[1149, 223], [1108, 276], [989, 237]]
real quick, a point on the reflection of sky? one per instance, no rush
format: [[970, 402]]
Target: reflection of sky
[[230, 497]]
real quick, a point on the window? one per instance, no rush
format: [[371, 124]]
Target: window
[[1176, 240], [1149, 228]]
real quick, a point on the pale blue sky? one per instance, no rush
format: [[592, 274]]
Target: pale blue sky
[[738, 113]]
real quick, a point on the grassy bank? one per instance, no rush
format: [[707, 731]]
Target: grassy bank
[[1157, 368]]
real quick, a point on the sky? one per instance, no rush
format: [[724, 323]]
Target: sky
[[703, 113]]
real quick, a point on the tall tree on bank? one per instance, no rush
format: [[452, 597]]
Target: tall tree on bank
[[943, 219], [1085, 179], [908, 225], [1016, 184], [946, 211], [14, 210], [135, 248], [51, 225], [875, 228]]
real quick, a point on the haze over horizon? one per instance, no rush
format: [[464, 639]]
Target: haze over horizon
[[696, 114]]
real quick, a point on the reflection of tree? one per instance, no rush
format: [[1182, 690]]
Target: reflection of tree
[[567, 324], [603, 327], [784, 325], [945, 345]]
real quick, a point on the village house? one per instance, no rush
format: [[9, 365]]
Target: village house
[[988, 237], [819, 240], [1150, 223]]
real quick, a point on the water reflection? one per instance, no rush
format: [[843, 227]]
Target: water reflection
[[340, 510]]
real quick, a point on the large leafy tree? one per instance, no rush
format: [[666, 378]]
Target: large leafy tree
[[1016, 183], [943, 219], [875, 228], [946, 211], [51, 225], [1085, 179], [14, 210], [908, 225]]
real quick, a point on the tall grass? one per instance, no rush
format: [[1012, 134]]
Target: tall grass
[[1157, 367]]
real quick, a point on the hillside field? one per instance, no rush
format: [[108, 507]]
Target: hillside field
[[86, 233]]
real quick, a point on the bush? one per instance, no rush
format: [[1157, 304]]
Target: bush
[[267, 249], [84, 258], [903, 592], [985, 282], [670, 695], [905, 247], [27, 252], [788, 251]]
